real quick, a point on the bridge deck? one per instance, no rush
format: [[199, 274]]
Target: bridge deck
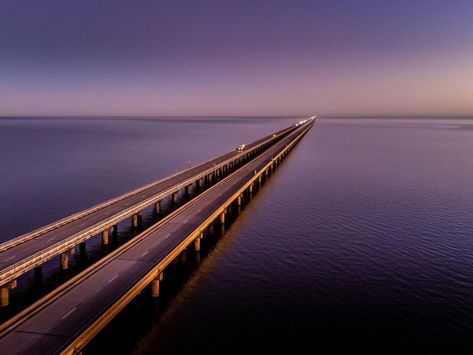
[[33, 249], [93, 297]]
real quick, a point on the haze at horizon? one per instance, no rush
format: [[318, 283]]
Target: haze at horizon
[[242, 58]]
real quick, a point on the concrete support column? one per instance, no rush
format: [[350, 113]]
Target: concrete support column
[[105, 236], [135, 220], [64, 261], [174, 196], [250, 189], [155, 285], [4, 296], [157, 207], [188, 190], [5, 293], [222, 218], [239, 198], [197, 244]]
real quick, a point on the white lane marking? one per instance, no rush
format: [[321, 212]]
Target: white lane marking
[[167, 235], [113, 278], [69, 313], [51, 239], [146, 252], [185, 220], [11, 257]]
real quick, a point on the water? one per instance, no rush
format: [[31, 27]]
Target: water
[[363, 239]]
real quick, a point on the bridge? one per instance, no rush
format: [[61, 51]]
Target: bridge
[[60, 238], [65, 320]]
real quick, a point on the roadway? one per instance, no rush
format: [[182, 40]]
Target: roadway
[[50, 327], [31, 250]]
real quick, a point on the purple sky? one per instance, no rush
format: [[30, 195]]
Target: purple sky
[[200, 57]]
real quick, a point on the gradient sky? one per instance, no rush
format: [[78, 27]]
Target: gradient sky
[[204, 57]]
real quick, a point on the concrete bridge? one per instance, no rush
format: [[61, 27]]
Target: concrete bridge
[[69, 317], [60, 238]]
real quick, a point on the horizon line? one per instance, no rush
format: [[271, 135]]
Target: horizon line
[[413, 116]]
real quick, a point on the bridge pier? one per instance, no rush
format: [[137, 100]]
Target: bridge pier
[[5, 293], [188, 189], [105, 236], [174, 196], [157, 207], [222, 218], [250, 189], [239, 198], [64, 257], [155, 285], [197, 242], [135, 220], [64, 261]]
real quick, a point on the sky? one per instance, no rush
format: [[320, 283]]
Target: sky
[[255, 57]]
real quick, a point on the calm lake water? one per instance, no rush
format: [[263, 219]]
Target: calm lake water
[[363, 239]]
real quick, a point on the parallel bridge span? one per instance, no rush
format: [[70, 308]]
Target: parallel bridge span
[[33, 249], [68, 318]]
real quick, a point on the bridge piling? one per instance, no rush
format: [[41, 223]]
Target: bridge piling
[[174, 196], [5, 293], [155, 285], [188, 190], [64, 261], [222, 218], [105, 236], [135, 220], [197, 243], [64, 258], [157, 207]]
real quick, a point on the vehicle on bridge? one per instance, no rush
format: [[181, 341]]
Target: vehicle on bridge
[[241, 147]]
